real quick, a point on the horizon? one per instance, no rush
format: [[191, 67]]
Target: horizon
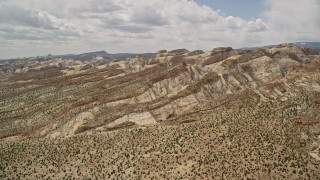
[[37, 28], [95, 51]]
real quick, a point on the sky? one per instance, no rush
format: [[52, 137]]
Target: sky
[[37, 27], [246, 9]]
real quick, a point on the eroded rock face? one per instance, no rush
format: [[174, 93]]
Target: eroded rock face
[[310, 51], [148, 91], [177, 52], [195, 52], [220, 50], [123, 118], [262, 69], [142, 118], [72, 127]]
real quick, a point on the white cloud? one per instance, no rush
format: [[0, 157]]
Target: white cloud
[[66, 26], [293, 20]]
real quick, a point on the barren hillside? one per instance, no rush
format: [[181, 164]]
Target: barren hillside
[[223, 114]]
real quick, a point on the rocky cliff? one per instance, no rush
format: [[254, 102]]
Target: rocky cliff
[[274, 91]]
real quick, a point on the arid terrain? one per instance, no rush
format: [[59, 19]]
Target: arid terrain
[[222, 114]]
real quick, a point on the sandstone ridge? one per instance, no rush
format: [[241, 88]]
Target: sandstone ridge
[[222, 114]]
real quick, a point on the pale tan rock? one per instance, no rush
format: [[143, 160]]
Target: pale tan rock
[[142, 118]]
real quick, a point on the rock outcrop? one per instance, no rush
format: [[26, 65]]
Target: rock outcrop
[[260, 108], [180, 84]]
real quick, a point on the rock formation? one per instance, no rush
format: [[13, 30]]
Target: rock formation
[[262, 106]]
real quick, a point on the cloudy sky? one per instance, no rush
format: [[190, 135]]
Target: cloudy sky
[[40, 27]]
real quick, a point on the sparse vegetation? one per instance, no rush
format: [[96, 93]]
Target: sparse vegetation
[[169, 118]]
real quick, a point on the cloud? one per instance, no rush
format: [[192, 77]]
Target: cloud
[[20, 16], [38, 27], [256, 26], [293, 20]]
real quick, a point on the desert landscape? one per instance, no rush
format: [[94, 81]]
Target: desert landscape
[[180, 114]]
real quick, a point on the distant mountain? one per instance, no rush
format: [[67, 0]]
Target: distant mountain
[[315, 45], [82, 57], [130, 55], [90, 55]]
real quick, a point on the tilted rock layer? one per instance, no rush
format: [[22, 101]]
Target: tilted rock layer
[[238, 97]]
